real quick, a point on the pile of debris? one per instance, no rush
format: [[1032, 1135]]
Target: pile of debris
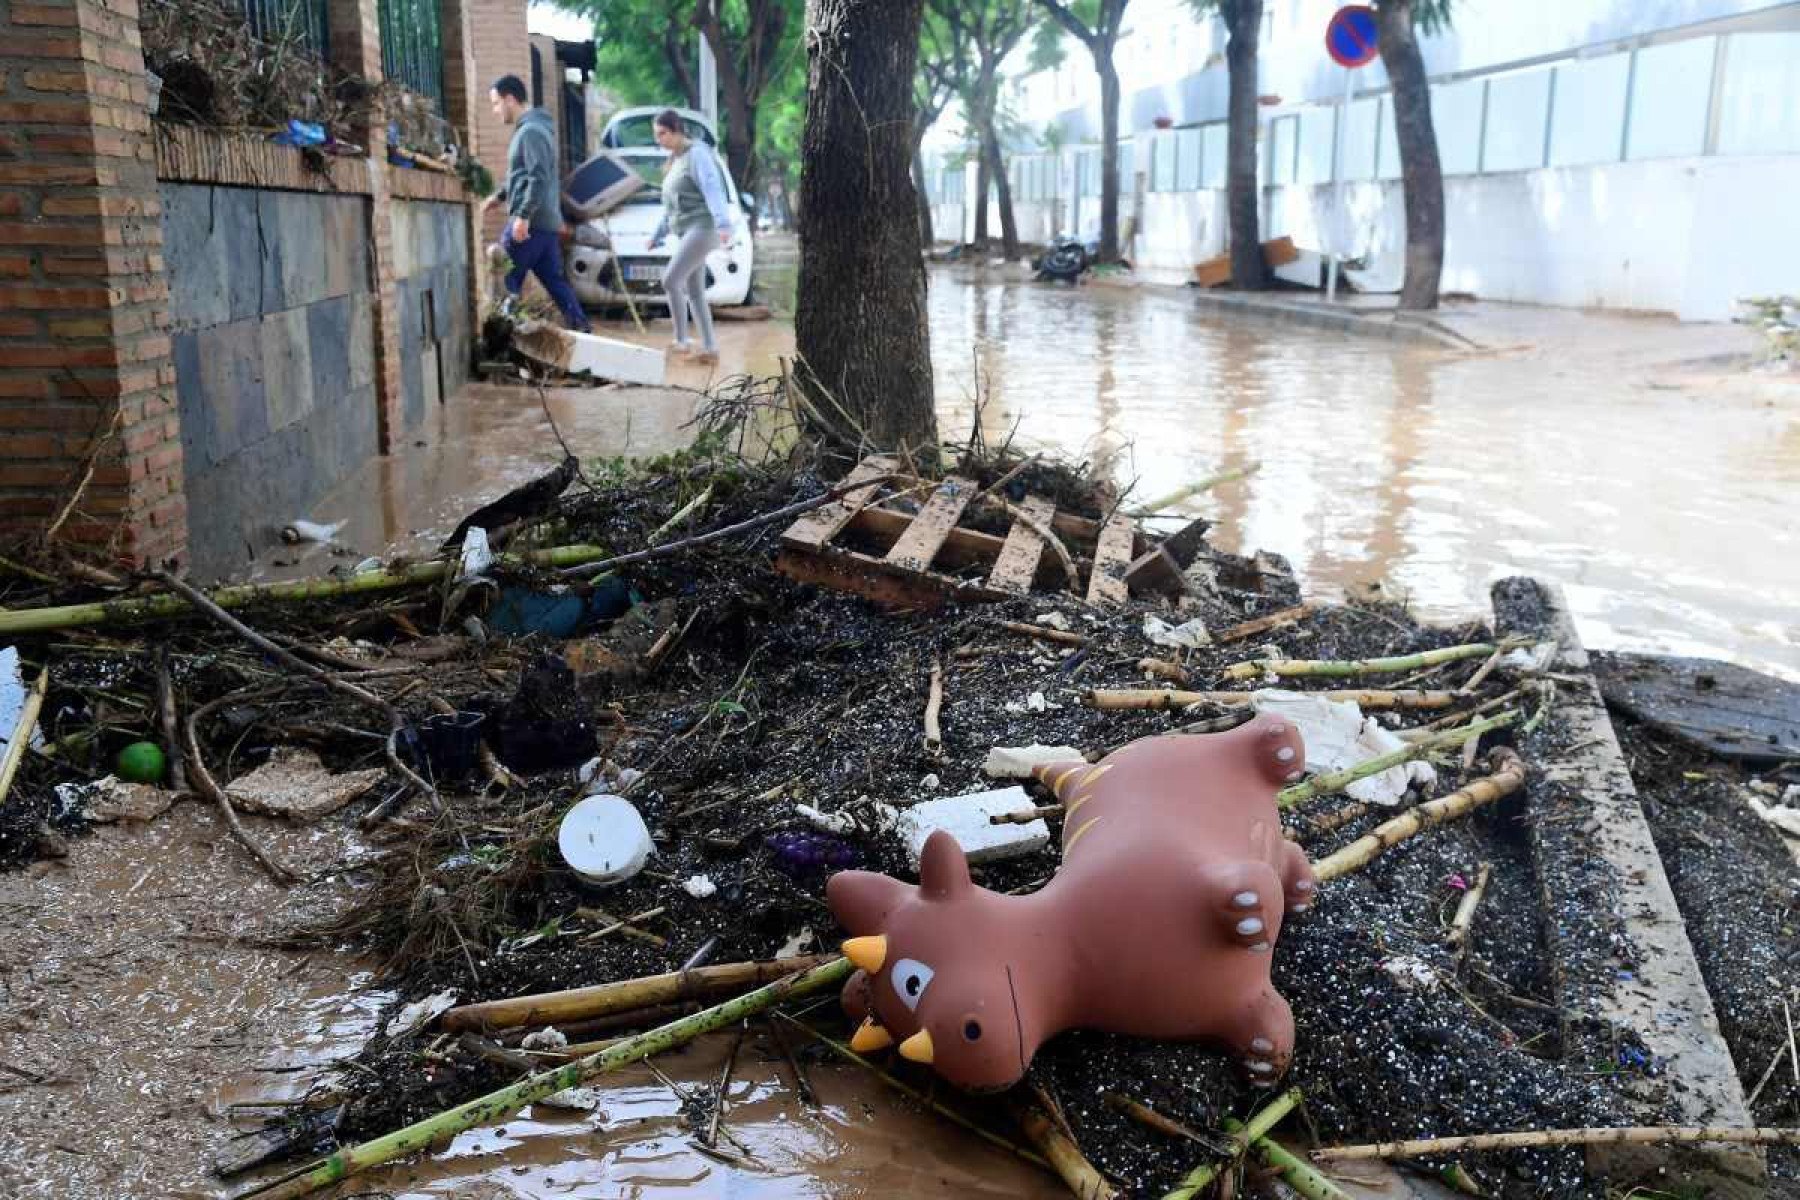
[[593, 745]]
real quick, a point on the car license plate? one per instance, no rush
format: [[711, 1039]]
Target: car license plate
[[644, 272]]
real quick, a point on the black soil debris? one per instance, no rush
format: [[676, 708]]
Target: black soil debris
[[728, 694]]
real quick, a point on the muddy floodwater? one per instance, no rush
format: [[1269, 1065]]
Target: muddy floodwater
[[1635, 460]]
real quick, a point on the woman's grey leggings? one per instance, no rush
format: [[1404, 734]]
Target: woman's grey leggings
[[685, 280]]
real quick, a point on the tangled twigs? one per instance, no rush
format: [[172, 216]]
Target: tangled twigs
[[689, 543], [362, 695], [202, 781]]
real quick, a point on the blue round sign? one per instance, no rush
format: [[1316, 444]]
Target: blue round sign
[[1350, 38]]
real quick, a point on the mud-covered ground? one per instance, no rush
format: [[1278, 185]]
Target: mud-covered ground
[[773, 694], [1738, 885]]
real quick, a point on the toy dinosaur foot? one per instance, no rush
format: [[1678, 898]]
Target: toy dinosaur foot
[[1247, 901], [1263, 1038]]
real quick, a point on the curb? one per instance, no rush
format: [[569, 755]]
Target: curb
[[1397, 327], [1588, 837]]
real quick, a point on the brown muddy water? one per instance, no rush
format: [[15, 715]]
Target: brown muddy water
[[1635, 460]]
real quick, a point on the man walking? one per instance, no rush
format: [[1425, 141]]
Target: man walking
[[532, 237]]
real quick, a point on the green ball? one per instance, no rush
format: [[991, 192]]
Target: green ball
[[142, 762]]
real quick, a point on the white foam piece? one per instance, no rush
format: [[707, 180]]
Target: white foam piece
[[610, 358], [1017, 762], [604, 840], [966, 819]]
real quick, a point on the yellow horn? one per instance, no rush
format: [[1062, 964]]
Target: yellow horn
[[867, 952], [870, 1037], [917, 1047]]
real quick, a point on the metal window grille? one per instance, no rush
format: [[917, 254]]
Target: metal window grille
[[290, 22], [412, 48]]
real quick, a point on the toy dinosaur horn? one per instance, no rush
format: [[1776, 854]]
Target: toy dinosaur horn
[[867, 952], [918, 1047], [870, 1037]]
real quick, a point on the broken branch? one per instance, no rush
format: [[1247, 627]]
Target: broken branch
[[1294, 667], [22, 730], [1321, 785], [1508, 777], [1273, 621], [1465, 912], [1633, 1135], [934, 735], [1043, 633], [1060, 1149], [555, 1008], [1158, 698], [1265, 1119]]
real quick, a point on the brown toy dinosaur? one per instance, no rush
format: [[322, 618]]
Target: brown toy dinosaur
[[1173, 885]]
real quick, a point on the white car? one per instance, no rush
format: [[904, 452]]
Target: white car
[[591, 264]]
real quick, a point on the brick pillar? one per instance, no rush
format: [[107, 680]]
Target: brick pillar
[[501, 47], [87, 381], [356, 48]]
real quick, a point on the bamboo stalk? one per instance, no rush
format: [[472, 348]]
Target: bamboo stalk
[[1632, 1135], [1508, 776], [1265, 1119], [554, 1008], [1153, 507], [1339, 818], [73, 616], [1320, 785], [915, 1095], [687, 510], [1501, 701], [1044, 634], [1160, 698], [22, 730], [1296, 1172], [500, 1104], [1294, 667], [1065, 1157], [1465, 912], [934, 703], [1265, 624]]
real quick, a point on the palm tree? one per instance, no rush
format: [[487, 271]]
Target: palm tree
[[1398, 24]]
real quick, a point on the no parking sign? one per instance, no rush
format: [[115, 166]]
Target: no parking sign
[[1350, 38]]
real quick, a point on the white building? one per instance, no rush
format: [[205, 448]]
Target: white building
[[1636, 156]]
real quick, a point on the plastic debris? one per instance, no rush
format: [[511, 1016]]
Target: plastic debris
[[604, 840], [311, 531], [798, 852], [699, 886], [1052, 620], [477, 555], [420, 1013], [547, 1038], [966, 819], [295, 784], [1189, 635], [1338, 737], [1017, 762]]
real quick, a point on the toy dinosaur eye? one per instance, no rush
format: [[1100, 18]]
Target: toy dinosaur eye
[[911, 977], [972, 1031]]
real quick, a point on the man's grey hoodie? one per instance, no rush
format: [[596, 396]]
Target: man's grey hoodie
[[533, 190]]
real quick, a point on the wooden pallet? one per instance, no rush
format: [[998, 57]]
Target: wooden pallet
[[864, 543]]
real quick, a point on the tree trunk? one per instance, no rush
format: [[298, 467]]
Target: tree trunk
[[983, 185], [1421, 175], [1248, 270], [860, 321], [1109, 150], [1009, 225], [740, 110], [675, 51]]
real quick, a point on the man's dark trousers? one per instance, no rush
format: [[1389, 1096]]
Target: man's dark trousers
[[541, 254]]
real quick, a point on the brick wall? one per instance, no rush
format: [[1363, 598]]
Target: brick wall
[[86, 378], [501, 47]]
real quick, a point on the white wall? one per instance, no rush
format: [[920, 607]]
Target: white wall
[[1687, 236]]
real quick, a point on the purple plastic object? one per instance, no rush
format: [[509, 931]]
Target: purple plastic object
[[797, 851]]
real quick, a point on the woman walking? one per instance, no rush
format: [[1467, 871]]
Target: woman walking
[[695, 208]]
